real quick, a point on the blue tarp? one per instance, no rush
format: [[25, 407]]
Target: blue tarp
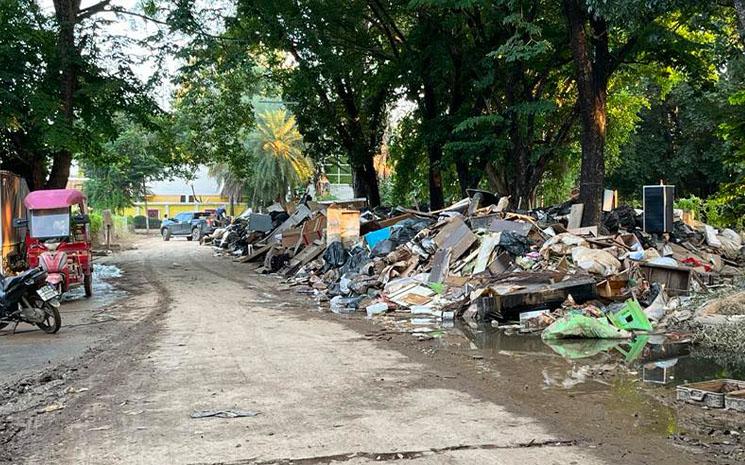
[[372, 238]]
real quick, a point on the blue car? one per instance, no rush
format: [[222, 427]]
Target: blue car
[[192, 225]]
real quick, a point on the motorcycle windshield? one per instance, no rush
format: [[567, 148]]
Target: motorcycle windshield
[[50, 223]]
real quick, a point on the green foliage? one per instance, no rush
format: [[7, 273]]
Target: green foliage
[[119, 176], [96, 222], [277, 149], [35, 126]]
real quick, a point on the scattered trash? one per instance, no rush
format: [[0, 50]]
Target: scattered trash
[[227, 413], [576, 325], [51, 408], [478, 260], [709, 393]]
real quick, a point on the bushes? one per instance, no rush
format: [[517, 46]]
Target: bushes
[[96, 222], [715, 211]]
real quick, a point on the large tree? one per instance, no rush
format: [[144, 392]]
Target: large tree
[[68, 80], [603, 37], [320, 55]]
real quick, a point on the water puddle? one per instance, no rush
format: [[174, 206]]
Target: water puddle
[[104, 292], [656, 360]]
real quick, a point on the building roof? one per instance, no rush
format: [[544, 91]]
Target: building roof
[[202, 182]]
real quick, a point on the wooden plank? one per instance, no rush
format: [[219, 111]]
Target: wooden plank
[[440, 265], [586, 231], [500, 264], [258, 253], [488, 244], [457, 236]]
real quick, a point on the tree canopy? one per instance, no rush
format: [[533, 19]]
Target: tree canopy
[[528, 98]]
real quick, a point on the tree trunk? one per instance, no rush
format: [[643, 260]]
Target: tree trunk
[[433, 145], [66, 12], [740, 10], [22, 162], [592, 89], [365, 181], [469, 176]]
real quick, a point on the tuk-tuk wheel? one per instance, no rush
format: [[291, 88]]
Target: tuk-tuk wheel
[[88, 285]]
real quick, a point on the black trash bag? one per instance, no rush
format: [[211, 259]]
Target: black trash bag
[[357, 258], [514, 243], [383, 248], [334, 256], [277, 262], [654, 291], [623, 217], [683, 233], [278, 218], [404, 231], [561, 209]]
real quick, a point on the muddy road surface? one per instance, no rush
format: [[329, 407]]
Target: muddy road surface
[[187, 334]]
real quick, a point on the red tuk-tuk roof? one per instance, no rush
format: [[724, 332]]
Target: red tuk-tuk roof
[[53, 198]]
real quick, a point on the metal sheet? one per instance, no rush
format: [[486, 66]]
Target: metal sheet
[[13, 190]]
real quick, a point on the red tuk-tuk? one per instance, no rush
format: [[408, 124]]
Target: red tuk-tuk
[[59, 238]]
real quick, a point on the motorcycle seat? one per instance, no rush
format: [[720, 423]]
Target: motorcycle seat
[[8, 281]]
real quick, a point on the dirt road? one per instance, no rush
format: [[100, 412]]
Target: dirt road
[[203, 333]]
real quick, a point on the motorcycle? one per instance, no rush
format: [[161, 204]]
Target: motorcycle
[[27, 298], [55, 263]]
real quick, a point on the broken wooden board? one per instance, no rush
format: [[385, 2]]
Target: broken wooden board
[[440, 265], [494, 223], [586, 231], [502, 263], [538, 290], [575, 216], [307, 255], [256, 254], [291, 237], [342, 225], [488, 244], [414, 294], [313, 229], [677, 280], [295, 219], [456, 236]]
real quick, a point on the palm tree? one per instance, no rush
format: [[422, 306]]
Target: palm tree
[[232, 185], [280, 164]]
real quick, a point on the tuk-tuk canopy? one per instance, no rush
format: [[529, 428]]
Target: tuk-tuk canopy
[[53, 198]]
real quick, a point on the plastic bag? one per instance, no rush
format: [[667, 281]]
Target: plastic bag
[[514, 243], [562, 244], [334, 256], [356, 259], [575, 325], [595, 261], [404, 231]]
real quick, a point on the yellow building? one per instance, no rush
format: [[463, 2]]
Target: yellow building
[[171, 197]]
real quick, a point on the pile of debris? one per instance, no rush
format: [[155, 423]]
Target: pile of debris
[[481, 262]]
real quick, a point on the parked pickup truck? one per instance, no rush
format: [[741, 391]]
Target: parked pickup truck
[[192, 225]]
